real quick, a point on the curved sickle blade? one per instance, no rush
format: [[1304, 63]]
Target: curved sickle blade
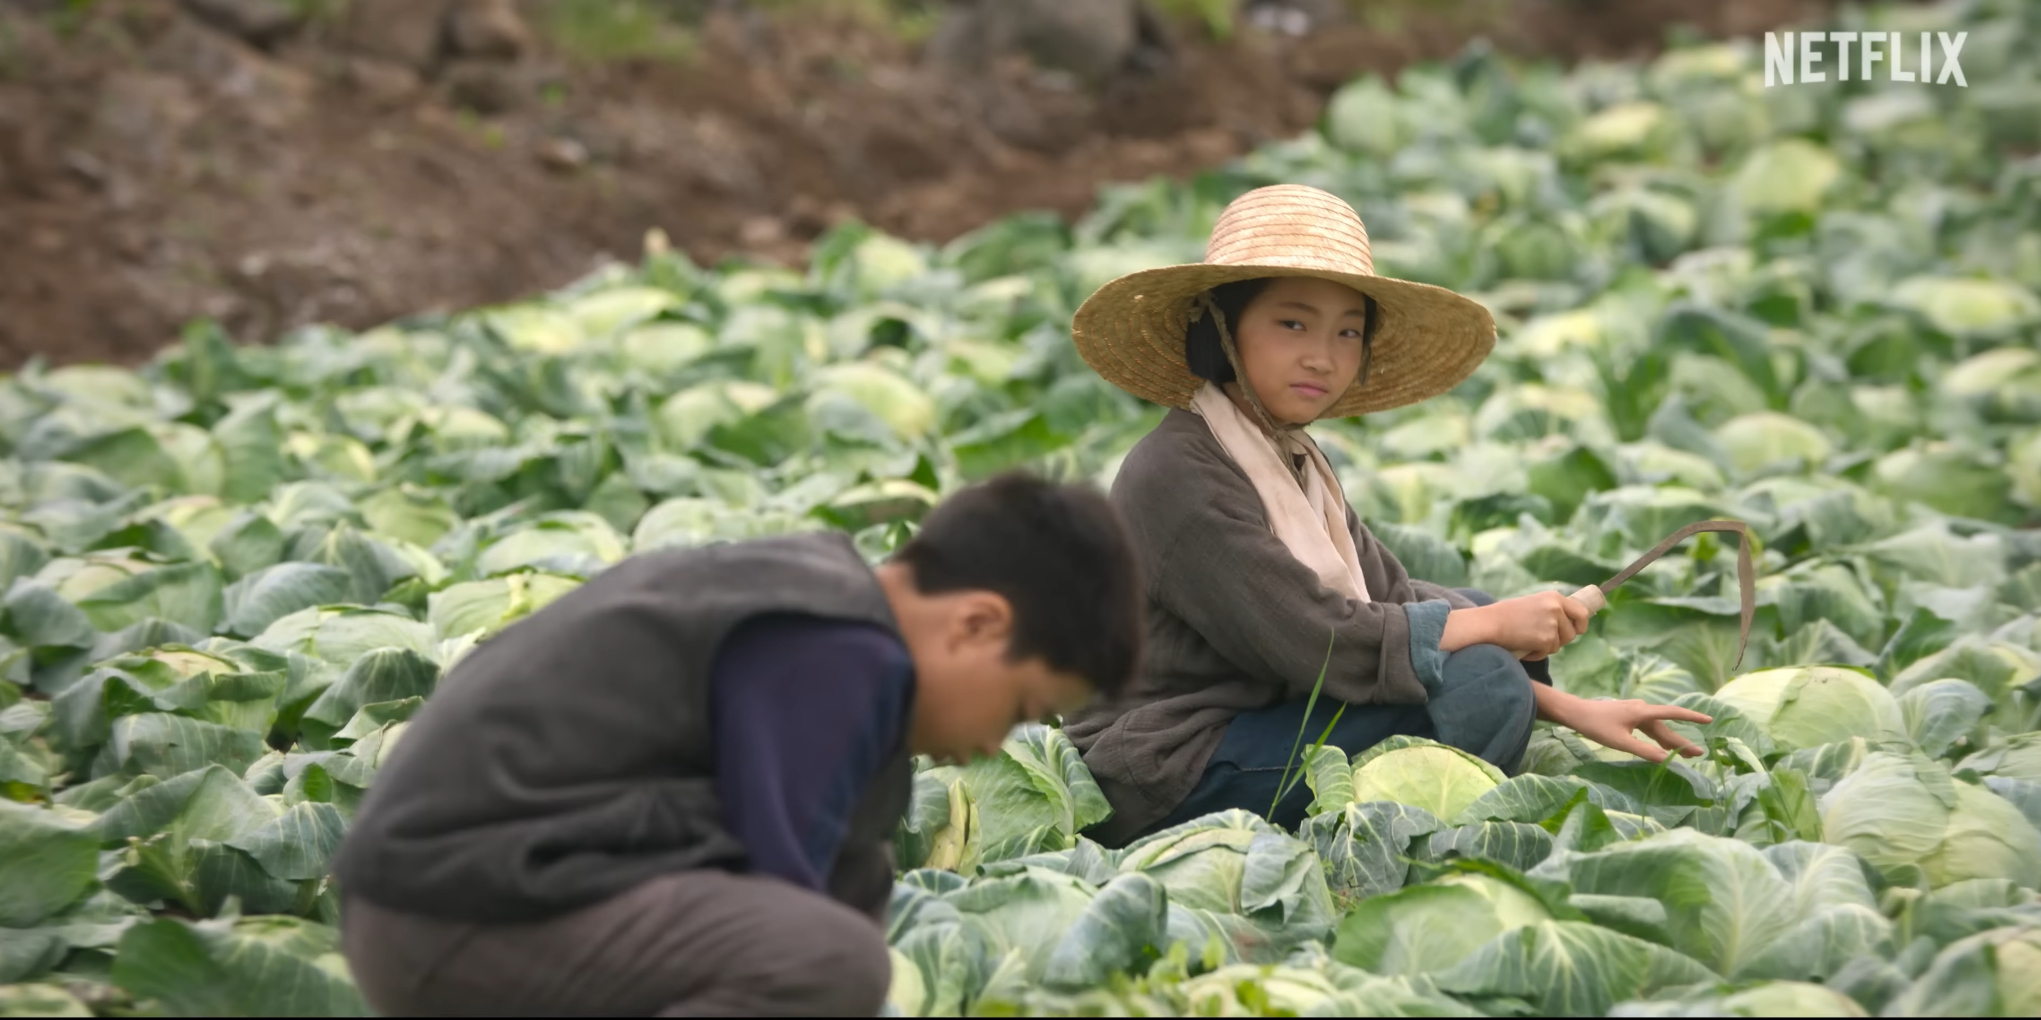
[[1595, 596]]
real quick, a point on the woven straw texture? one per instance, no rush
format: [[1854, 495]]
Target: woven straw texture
[[1427, 341]]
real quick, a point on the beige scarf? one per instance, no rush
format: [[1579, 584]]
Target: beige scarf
[[1309, 518]]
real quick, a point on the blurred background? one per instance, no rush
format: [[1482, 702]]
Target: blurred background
[[274, 163]]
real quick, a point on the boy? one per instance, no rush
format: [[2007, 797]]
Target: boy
[[674, 790]]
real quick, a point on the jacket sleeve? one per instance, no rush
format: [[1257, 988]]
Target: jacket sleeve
[[863, 878], [1217, 567]]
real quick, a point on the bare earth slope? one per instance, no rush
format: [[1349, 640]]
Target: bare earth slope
[[156, 165]]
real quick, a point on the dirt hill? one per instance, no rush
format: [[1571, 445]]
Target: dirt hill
[[162, 160]]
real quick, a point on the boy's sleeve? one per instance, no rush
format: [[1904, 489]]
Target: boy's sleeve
[[807, 711]]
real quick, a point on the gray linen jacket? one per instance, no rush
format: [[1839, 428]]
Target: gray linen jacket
[[1235, 623]]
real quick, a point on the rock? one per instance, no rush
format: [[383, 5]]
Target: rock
[[761, 231], [563, 155], [25, 153], [1092, 39], [260, 22], [1295, 17], [141, 118], [382, 84], [406, 32], [487, 29], [271, 93], [487, 87]]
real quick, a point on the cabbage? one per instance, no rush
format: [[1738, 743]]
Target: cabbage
[[2017, 758], [1992, 973], [1638, 130], [1788, 176], [1814, 705], [1962, 306], [1433, 927], [1765, 438], [1364, 116], [1947, 479], [1905, 811], [2003, 383], [1771, 998], [1423, 774]]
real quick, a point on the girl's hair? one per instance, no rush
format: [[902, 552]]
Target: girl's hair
[[1204, 353]]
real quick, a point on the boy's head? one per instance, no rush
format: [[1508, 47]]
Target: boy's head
[[1018, 599]]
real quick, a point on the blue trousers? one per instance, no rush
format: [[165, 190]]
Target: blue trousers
[[1485, 707]]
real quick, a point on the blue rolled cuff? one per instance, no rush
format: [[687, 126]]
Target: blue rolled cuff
[[1427, 629]]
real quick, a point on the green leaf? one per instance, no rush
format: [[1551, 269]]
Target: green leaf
[[185, 593], [1365, 848], [382, 675], [1036, 795], [1570, 968], [271, 593], [1433, 928], [1943, 716], [298, 844], [269, 966], [40, 1000], [251, 445], [1424, 556], [490, 605], [47, 860], [163, 745], [1117, 932]]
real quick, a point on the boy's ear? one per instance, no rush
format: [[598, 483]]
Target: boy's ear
[[982, 616]]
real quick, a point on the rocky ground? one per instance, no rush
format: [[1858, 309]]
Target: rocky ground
[[271, 163]]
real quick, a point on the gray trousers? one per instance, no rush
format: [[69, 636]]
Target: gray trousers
[[696, 943]]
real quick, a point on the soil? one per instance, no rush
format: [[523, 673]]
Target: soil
[[155, 169]]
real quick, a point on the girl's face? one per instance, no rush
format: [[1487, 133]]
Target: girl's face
[[1300, 345]]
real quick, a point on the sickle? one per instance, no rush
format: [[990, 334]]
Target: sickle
[[1596, 596]]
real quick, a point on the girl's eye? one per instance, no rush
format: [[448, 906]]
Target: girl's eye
[[1292, 324]]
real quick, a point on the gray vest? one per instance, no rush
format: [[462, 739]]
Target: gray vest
[[570, 757]]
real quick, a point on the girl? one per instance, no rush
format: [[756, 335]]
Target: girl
[[1253, 560]]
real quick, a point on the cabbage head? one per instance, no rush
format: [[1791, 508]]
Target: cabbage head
[[1434, 926], [1899, 810], [1808, 706], [1991, 973], [1772, 998], [1421, 773], [2017, 758]]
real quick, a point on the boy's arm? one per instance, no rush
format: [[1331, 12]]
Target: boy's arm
[[807, 711], [863, 878]]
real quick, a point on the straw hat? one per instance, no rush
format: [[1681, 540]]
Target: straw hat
[[1427, 339]]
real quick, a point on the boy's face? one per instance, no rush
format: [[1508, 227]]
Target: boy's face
[[967, 705], [968, 694]]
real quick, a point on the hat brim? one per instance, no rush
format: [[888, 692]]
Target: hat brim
[[1427, 339]]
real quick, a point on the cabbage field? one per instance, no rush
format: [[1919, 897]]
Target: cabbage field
[[231, 576]]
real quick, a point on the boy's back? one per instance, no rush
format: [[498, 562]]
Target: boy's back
[[674, 790], [570, 757]]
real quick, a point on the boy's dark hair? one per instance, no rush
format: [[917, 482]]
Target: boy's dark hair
[[1059, 554], [1202, 350]]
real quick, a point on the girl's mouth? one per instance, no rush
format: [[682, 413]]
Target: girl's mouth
[[1309, 390]]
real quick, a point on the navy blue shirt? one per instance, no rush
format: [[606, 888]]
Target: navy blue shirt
[[806, 711]]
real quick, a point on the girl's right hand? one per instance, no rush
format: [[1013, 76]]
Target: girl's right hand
[[1535, 626]]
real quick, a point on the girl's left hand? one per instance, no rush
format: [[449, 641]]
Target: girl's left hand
[[1613, 724]]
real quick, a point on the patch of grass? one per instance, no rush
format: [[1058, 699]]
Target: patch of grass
[[488, 133], [908, 20], [69, 18], [13, 59], [1218, 16], [606, 30]]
